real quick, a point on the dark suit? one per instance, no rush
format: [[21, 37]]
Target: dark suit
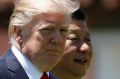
[[10, 68]]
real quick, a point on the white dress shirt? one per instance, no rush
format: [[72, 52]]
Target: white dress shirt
[[31, 71]]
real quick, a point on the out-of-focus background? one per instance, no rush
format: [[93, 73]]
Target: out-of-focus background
[[104, 24]]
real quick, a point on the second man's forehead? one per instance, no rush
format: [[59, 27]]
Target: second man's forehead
[[78, 30]]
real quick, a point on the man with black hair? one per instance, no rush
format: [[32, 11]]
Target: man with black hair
[[78, 50]]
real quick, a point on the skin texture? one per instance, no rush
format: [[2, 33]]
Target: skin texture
[[78, 52], [43, 39]]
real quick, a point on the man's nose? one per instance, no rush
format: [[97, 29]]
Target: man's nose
[[84, 48], [56, 38]]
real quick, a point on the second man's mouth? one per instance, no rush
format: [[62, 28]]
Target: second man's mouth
[[81, 61]]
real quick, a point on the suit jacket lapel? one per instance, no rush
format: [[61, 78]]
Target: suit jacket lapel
[[16, 70], [52, 76]]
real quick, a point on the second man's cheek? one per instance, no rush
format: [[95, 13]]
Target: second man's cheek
[[68, 43]]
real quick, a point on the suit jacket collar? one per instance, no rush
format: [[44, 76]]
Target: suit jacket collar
[[14, 66], [12, 62]]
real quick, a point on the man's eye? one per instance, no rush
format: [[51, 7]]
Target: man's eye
[[47, 30], [63, 31], [72, 36], [87, 39], [74, 39]]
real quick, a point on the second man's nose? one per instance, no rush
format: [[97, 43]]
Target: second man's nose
[[84, 48]]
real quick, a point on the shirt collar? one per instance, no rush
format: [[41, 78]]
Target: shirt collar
[[30, 69]]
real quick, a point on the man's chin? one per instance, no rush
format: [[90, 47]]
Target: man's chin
[[49, 67]]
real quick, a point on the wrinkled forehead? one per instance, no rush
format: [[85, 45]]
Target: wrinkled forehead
[[53, 18]]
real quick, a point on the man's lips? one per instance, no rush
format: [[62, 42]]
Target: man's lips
[[53, 50], [81, 60]]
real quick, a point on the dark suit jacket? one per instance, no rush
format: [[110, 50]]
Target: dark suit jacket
[[10, 68]]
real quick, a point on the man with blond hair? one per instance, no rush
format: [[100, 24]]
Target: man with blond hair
[[37, 32]]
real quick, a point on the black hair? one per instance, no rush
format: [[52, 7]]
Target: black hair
[[79, 15]]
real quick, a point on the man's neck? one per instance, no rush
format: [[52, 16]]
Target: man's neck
[[62, 74]]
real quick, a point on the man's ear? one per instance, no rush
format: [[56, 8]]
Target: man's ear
[[18, 34]]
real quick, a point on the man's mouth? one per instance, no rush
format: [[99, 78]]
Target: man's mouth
[[81, 61], [53, 50]]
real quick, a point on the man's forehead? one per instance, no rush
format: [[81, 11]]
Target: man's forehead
[[51, 18], [78, 30], [74, 27], [78, 25]]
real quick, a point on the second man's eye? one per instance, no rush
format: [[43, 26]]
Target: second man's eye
[[87, 39], [72, 37]]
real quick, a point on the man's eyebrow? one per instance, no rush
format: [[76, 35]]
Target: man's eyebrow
[[65, 25], [44, 25]]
